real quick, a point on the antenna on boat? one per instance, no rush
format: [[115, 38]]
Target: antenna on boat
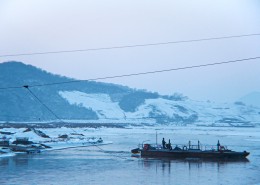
[[156, 137], [218, 145]]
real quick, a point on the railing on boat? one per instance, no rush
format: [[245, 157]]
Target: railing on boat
[[186, 147]]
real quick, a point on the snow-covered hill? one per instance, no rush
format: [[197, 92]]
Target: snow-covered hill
[[164, 111], [98, 102]]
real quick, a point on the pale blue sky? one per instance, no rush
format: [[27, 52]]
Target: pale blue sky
[[47, 25]]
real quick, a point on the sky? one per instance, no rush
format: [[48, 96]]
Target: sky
[[28, 26]]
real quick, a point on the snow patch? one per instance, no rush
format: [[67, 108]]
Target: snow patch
[[100, 103]]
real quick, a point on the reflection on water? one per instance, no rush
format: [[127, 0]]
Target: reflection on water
[[21, 160], [104, 167], [166, 164], [4, 161], [196, 171]]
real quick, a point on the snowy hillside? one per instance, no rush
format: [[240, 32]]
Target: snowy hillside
[[100, 103], [158, 109], [96, 102], [167, 111]]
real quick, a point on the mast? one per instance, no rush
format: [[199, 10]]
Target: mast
[[156, 138]]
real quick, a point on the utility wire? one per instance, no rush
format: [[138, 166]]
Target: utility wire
[[53, 113], [27, 87], [7, 116], [15, 87], [129, 46], [135, 74]]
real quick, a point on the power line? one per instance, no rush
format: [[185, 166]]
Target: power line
[[12, 116], [27, 87], [129, 46], [135, 74], [14, 87], [53, 113]]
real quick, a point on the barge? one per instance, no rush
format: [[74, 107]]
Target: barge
[[188, 151]]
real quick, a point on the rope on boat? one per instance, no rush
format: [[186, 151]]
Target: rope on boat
[[111, 154]]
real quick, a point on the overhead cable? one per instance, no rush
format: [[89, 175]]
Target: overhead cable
[[135, 74], [53, 113], [128, 46]]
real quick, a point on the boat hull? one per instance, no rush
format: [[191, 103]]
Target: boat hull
[[194, 154]]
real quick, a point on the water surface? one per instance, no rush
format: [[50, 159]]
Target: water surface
[[113, 164]]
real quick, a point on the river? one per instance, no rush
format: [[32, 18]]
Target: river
[[114, 164]]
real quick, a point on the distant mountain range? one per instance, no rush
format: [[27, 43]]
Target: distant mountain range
[[251, 99], [104, 102]]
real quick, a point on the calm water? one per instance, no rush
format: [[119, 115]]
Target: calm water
[[113, 164]]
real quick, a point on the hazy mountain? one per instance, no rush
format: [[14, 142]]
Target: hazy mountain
[[18, 104], [251, 99], [106, 102]]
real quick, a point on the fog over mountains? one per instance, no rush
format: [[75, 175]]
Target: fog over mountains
[[91, 101]]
